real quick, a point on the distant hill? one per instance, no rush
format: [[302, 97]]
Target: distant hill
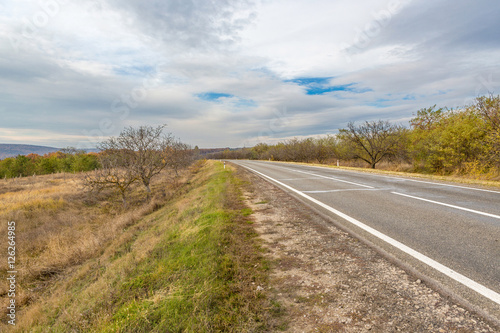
[[206, 151], [12, 150]]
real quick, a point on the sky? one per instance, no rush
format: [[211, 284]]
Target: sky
[[234, 73]]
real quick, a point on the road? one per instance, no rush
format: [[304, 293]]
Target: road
[[448, 233]]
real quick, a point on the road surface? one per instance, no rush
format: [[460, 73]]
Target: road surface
[[449, 233]]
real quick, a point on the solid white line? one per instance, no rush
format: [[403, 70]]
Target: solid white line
[[448, 205], [333, 178], [479, 288]]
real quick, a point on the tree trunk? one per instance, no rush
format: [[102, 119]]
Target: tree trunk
[[124, 200], [146, 185]]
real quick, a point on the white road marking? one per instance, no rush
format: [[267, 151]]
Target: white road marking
[[479, 288], [346, 189], [333, 178], [404, 179], [291, 179], [448, 205]]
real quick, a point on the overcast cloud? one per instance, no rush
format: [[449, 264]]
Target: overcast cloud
[[233, 73]]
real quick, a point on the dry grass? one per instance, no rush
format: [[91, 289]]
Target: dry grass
[[59, 226], [192, 265]]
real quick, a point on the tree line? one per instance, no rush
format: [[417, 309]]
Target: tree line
[[66, 160], [436, 140]]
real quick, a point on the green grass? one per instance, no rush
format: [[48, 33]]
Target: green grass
[[192, 266], [246, 211]]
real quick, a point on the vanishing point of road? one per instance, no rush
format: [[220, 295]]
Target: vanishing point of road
[[446, 233]]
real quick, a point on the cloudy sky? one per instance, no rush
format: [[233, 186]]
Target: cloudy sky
[[236, 72]]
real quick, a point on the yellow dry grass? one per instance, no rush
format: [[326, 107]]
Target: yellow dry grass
[[59, 226]]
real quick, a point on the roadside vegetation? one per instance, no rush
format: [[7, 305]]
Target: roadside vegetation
[[137, 155], [187, 259], [66, 160], [149, 241], [442, 141]]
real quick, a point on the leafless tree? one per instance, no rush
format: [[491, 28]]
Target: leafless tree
[[115, 172], [146, 151], [489, 109], [72, 151], [372, 140], [180, 155], [137, 154]]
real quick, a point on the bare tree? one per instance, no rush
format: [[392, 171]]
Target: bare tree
[[72, 151], [137, 154], [372, 140], [489, 109], [145, 150], [180, 155], [115, 172]]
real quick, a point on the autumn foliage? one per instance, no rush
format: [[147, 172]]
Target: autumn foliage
[[67, 160]]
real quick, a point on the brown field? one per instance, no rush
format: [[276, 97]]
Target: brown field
[[59, 226]]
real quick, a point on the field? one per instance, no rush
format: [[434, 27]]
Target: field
[[185, 260]]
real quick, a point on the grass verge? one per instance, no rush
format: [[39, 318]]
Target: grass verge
[[191, 266]]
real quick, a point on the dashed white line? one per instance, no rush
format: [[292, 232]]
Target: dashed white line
[[333, 178], [342, 190], [292, 179], [404, 179], [479, 288], [448, 205]]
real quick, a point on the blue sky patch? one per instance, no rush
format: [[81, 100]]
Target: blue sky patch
[[311, 81], [213, 96], [320, 86], [237, 101]]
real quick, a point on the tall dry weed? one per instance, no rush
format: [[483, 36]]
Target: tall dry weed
[[59, 226]]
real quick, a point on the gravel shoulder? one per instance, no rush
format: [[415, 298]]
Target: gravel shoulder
[[328, 281]]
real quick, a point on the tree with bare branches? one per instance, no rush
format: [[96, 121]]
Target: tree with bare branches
[[145, 150], [372, 140], [180, 155], [115, 172], [489, 109]]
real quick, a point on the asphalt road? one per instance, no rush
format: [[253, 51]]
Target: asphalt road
[[449, 233]]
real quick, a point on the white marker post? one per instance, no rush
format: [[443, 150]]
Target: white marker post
[[224, 165]]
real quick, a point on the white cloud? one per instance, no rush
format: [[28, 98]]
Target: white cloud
[[76, 72]]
